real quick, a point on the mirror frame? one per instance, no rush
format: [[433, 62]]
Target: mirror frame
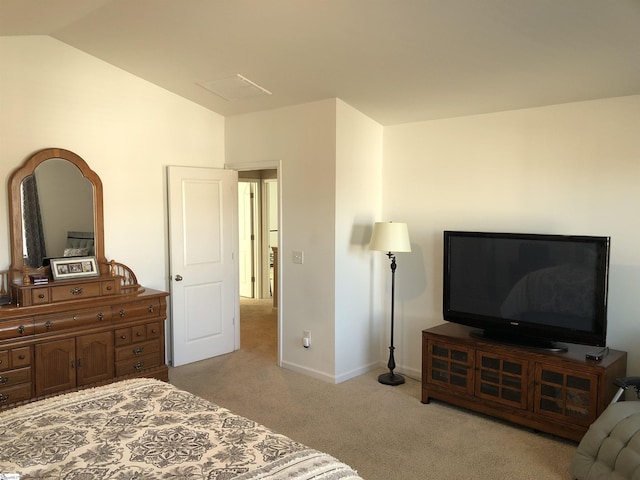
[[15, 206]]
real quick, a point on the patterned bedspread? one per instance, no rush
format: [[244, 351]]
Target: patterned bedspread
[[146, 429]]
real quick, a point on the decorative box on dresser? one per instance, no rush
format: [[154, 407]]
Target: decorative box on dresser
[[560, 393], [86, 324]]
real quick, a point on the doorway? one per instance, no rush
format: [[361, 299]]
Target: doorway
[[258, 225], [258, 232]]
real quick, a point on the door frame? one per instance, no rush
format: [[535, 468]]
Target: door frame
[[270, 165]]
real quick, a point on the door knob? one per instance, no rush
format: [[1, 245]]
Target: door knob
[[178, 278]]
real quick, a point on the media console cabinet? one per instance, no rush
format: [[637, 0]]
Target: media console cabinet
[[554, 392]]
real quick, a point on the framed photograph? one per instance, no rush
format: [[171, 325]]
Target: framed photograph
[[74, 267]]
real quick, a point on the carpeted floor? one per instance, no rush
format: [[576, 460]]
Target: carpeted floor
[[385, 433]]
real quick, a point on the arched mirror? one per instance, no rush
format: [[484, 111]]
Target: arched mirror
[[55, 201]]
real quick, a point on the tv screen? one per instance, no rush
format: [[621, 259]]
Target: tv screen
[[528, 288]]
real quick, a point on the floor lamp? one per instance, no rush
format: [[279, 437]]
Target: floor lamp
[[391, 237]]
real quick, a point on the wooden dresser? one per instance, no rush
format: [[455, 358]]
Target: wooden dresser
[[99, 336], [69, 318]]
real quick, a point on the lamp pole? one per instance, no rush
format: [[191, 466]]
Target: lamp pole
[[391, 378]]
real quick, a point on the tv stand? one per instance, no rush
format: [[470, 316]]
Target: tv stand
[[560, 393], [533, 343]]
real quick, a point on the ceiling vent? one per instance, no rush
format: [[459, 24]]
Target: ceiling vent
[[234, 88]]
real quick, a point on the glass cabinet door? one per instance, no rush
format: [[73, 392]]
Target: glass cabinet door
[[562, 394], [451, 366]]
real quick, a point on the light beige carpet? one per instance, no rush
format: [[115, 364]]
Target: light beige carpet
[[384, 432]]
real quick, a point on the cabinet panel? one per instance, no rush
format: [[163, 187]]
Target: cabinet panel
[[95, 357], [450, 365], [502, 379], [55, 366], [565, 394]]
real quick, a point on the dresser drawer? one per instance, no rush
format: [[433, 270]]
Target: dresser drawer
[[75, 291], [11, 378], [14, 329], [79, 318], [15, 394], [110, 287], [40, 296], [135, 365], [137, 350], [134, 310], [137, 333], [15, 358], [20, 357]]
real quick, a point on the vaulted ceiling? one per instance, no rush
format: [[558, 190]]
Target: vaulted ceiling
[[396, 61]]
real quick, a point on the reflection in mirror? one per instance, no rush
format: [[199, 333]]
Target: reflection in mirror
[[56, 199]]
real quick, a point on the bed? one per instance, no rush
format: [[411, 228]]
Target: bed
[[148, 429]]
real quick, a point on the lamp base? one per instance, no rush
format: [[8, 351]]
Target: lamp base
[[391, 379]]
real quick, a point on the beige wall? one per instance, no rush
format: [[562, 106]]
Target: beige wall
[[126, 129], [563, 169]]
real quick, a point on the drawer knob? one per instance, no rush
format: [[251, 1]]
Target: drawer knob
[[21, 329], [4, 397], [48, 325], [138, 351], [123, 337], [138, 334], [100, 316], [154, 331], [76, 291], [20, 357], [109, 288], [151, 308], [4, 380], [41, 295], [121, 312], [138, 365]]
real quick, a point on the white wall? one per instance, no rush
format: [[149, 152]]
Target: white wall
[[331, 162], [358, 203], [126, 129], [302, 138], [565, 169]]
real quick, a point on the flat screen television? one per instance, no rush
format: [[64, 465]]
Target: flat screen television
[[528, 289]]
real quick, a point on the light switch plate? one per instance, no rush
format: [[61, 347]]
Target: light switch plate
[[298, 257]]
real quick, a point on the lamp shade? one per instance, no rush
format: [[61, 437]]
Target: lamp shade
[[390, 237]]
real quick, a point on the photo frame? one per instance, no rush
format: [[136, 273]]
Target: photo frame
[[74, 267]]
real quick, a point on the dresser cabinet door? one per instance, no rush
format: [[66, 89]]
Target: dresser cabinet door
[[95, 358], [65, 364], [55, 366]]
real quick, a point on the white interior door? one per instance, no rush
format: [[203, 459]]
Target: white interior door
[[203, 214], [247, 201]]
